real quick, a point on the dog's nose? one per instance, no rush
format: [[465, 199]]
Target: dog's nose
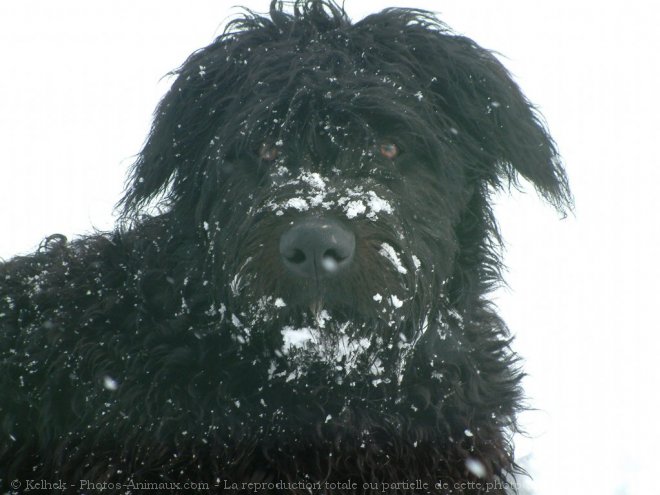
[[317, 248]]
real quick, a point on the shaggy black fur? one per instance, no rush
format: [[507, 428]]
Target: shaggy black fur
[[182, 347]]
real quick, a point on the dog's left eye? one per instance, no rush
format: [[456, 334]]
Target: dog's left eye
[[389, 150], [268, 152]]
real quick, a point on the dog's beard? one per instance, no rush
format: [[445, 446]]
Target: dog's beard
[[342, 346], [352, 351], [328, 328]]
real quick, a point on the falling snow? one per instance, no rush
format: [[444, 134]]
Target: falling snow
[[476, 467], [110, 383]]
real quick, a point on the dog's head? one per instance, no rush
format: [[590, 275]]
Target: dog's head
[[341, 172]]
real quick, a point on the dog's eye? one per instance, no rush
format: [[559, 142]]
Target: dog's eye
[[268, 152], [389, 150]]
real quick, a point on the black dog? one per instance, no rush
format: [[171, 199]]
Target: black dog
[[305, 307]]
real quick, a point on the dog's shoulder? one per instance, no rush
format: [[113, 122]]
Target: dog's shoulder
[[63, 282]]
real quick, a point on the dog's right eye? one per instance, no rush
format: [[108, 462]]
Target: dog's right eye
[[389, 150], [268, 152]]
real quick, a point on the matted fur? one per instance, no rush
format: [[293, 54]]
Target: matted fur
[[179, 348]]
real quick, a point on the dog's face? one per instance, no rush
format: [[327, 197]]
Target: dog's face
[[352, 226], [338, 175], [347, 233]]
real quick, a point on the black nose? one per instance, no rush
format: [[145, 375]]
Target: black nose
[[317, 248]]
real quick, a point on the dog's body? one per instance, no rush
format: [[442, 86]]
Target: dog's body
[[309, 305]]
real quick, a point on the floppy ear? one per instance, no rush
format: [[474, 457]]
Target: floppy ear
[[170, 159], [168, 146], [488, 105], [500, 133]]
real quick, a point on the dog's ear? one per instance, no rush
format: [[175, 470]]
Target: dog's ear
[[510, 135], [472, 97], [171, 144]]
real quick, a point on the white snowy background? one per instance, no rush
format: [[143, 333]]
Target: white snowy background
[[79, 80]]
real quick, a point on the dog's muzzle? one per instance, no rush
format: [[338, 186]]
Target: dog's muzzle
[[317, 247]]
